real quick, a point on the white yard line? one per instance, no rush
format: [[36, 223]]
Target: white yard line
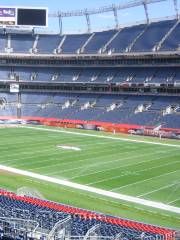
[[135, 172], [145, 180], [114, 168], [23, 153], [82, 154], [95, 165], [99, 136], [80, 161], [157, 190], [123, 197], [174, 200]]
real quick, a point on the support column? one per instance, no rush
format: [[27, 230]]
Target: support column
[[176, 8], [115, 17], [60, 24], [88, 22], [146, 11], [18, 105]]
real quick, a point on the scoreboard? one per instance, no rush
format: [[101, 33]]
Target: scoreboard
[[23, 16]]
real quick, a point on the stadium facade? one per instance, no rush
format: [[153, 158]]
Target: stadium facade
[[124, 80]]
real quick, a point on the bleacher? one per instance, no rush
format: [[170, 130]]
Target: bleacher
[[73, 43], [172, 41], [136, 75], [125, 38], [98, 41], [152, 36], [117, 108], [93, 107], [22, 43], [138, 38], [46, 214], [47, 43], [113, 107]]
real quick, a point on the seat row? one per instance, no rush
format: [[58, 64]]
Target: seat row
[[126, 109], [156, 36], [148, 75], [47, 214]]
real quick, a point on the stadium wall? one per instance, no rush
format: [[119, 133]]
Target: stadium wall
[[95, 125]]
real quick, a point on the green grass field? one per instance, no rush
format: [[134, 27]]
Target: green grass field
[[137, 169]]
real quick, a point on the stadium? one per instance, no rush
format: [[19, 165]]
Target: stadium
[[90, 123]]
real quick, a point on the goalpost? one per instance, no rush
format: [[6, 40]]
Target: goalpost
[[31, 192]]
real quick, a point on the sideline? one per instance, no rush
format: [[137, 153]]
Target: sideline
[[119, 196], [99, 136]]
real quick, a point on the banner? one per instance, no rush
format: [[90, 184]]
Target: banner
[[7, 16], [154, 133]]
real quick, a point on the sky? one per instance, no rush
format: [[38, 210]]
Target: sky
[[100, 21]]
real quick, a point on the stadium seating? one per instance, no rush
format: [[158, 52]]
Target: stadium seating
[[73, 43], [125, 38], [152, 36], [3, 43], [115, 108], [136, 75], [172, 42], [136, 38], [98, 41], [48, 43], [47, 214], [140, 110], [22, 43]]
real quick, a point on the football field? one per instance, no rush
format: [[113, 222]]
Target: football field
[[131, 166]]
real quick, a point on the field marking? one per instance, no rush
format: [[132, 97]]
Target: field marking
[[27, 152], [89, 166], [70, 162], [174, 200], [114, 168], [57, 159], [81, 154], [131, 184], [99, 136], [23, 153], [158, 189], [98, 191], [142, 170], [29, 143]]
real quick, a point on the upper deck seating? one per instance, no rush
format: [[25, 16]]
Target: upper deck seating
[[98, 41], [124, 38], [152, 36], [173, 40], [3, 42], [48, 43], [73, 43], [22, 43]]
